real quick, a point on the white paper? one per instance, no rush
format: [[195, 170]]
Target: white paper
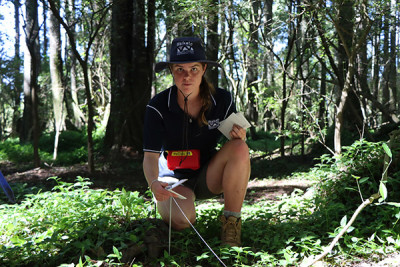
[[226, 125]]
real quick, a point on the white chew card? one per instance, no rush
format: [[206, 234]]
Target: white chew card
[[226, 125]]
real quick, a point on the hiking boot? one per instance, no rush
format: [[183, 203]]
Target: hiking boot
[[231, 231]]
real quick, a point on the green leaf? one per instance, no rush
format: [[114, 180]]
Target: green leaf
[[351, 189], [363, 180], [387, 149], [18, 241], [396, 204], [10, 227], [372, 237], [202, 256], [383, 190], [343, 221]]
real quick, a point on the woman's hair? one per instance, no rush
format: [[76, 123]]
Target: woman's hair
[[206, 90]]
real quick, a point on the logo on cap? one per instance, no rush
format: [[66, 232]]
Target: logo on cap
[[184, 48]]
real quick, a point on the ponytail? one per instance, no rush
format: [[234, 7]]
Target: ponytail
[[206, 90]]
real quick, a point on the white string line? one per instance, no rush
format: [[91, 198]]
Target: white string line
[[195, 231], [169, 233]]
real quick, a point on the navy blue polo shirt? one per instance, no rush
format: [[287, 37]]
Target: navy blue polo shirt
[[164, 122]]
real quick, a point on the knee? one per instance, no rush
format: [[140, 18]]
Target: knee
[[240, 150]]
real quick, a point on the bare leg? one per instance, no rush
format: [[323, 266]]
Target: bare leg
[[229, 172]]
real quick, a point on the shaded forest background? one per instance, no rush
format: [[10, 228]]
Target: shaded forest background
[[319, 73], [318, 80]]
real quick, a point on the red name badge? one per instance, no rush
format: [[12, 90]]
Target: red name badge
[[183, 159]]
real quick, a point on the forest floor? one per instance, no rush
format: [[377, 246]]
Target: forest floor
[[129, 175], [131, 178]]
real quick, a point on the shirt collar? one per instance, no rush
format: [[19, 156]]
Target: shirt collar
[[213, 100], [173, 99]]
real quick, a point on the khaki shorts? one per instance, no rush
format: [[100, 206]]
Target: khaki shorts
[[197, 182]]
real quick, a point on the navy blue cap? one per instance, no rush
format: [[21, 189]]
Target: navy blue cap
[[186, 50]]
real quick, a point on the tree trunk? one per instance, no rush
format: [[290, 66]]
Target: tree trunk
[[212, 40], [151, 38], [322, 116], [30, 123], [269, 58], [285, 100], [268, 76], [17, 88], [44, 28], [352, 110], [351, 49], [229, 51], [376, 40], [252, 65], [78, 118], [131, 74], [303, 66], [386, 68], [392, 63], [339, 120], [142, 79], [362, 72], [56, 68], [121, 71], [90, 122], [345, 48], [376, 63], [170, 24]]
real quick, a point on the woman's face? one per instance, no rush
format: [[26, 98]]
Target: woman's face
[[188, 76]]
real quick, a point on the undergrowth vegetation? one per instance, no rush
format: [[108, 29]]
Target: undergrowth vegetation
[[77, 225], [72, 148]]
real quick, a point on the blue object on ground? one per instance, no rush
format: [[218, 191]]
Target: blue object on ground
[[6, 188]]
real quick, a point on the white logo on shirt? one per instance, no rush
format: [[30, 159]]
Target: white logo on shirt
[[213, 124]]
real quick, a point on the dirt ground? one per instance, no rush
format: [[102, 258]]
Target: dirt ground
[[133, 179], [103, 177]]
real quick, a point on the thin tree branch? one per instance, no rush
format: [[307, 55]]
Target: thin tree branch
[[344, 230]]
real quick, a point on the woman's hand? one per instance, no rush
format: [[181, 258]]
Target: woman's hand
[[150, 168], [159, 191], [238, 132]]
